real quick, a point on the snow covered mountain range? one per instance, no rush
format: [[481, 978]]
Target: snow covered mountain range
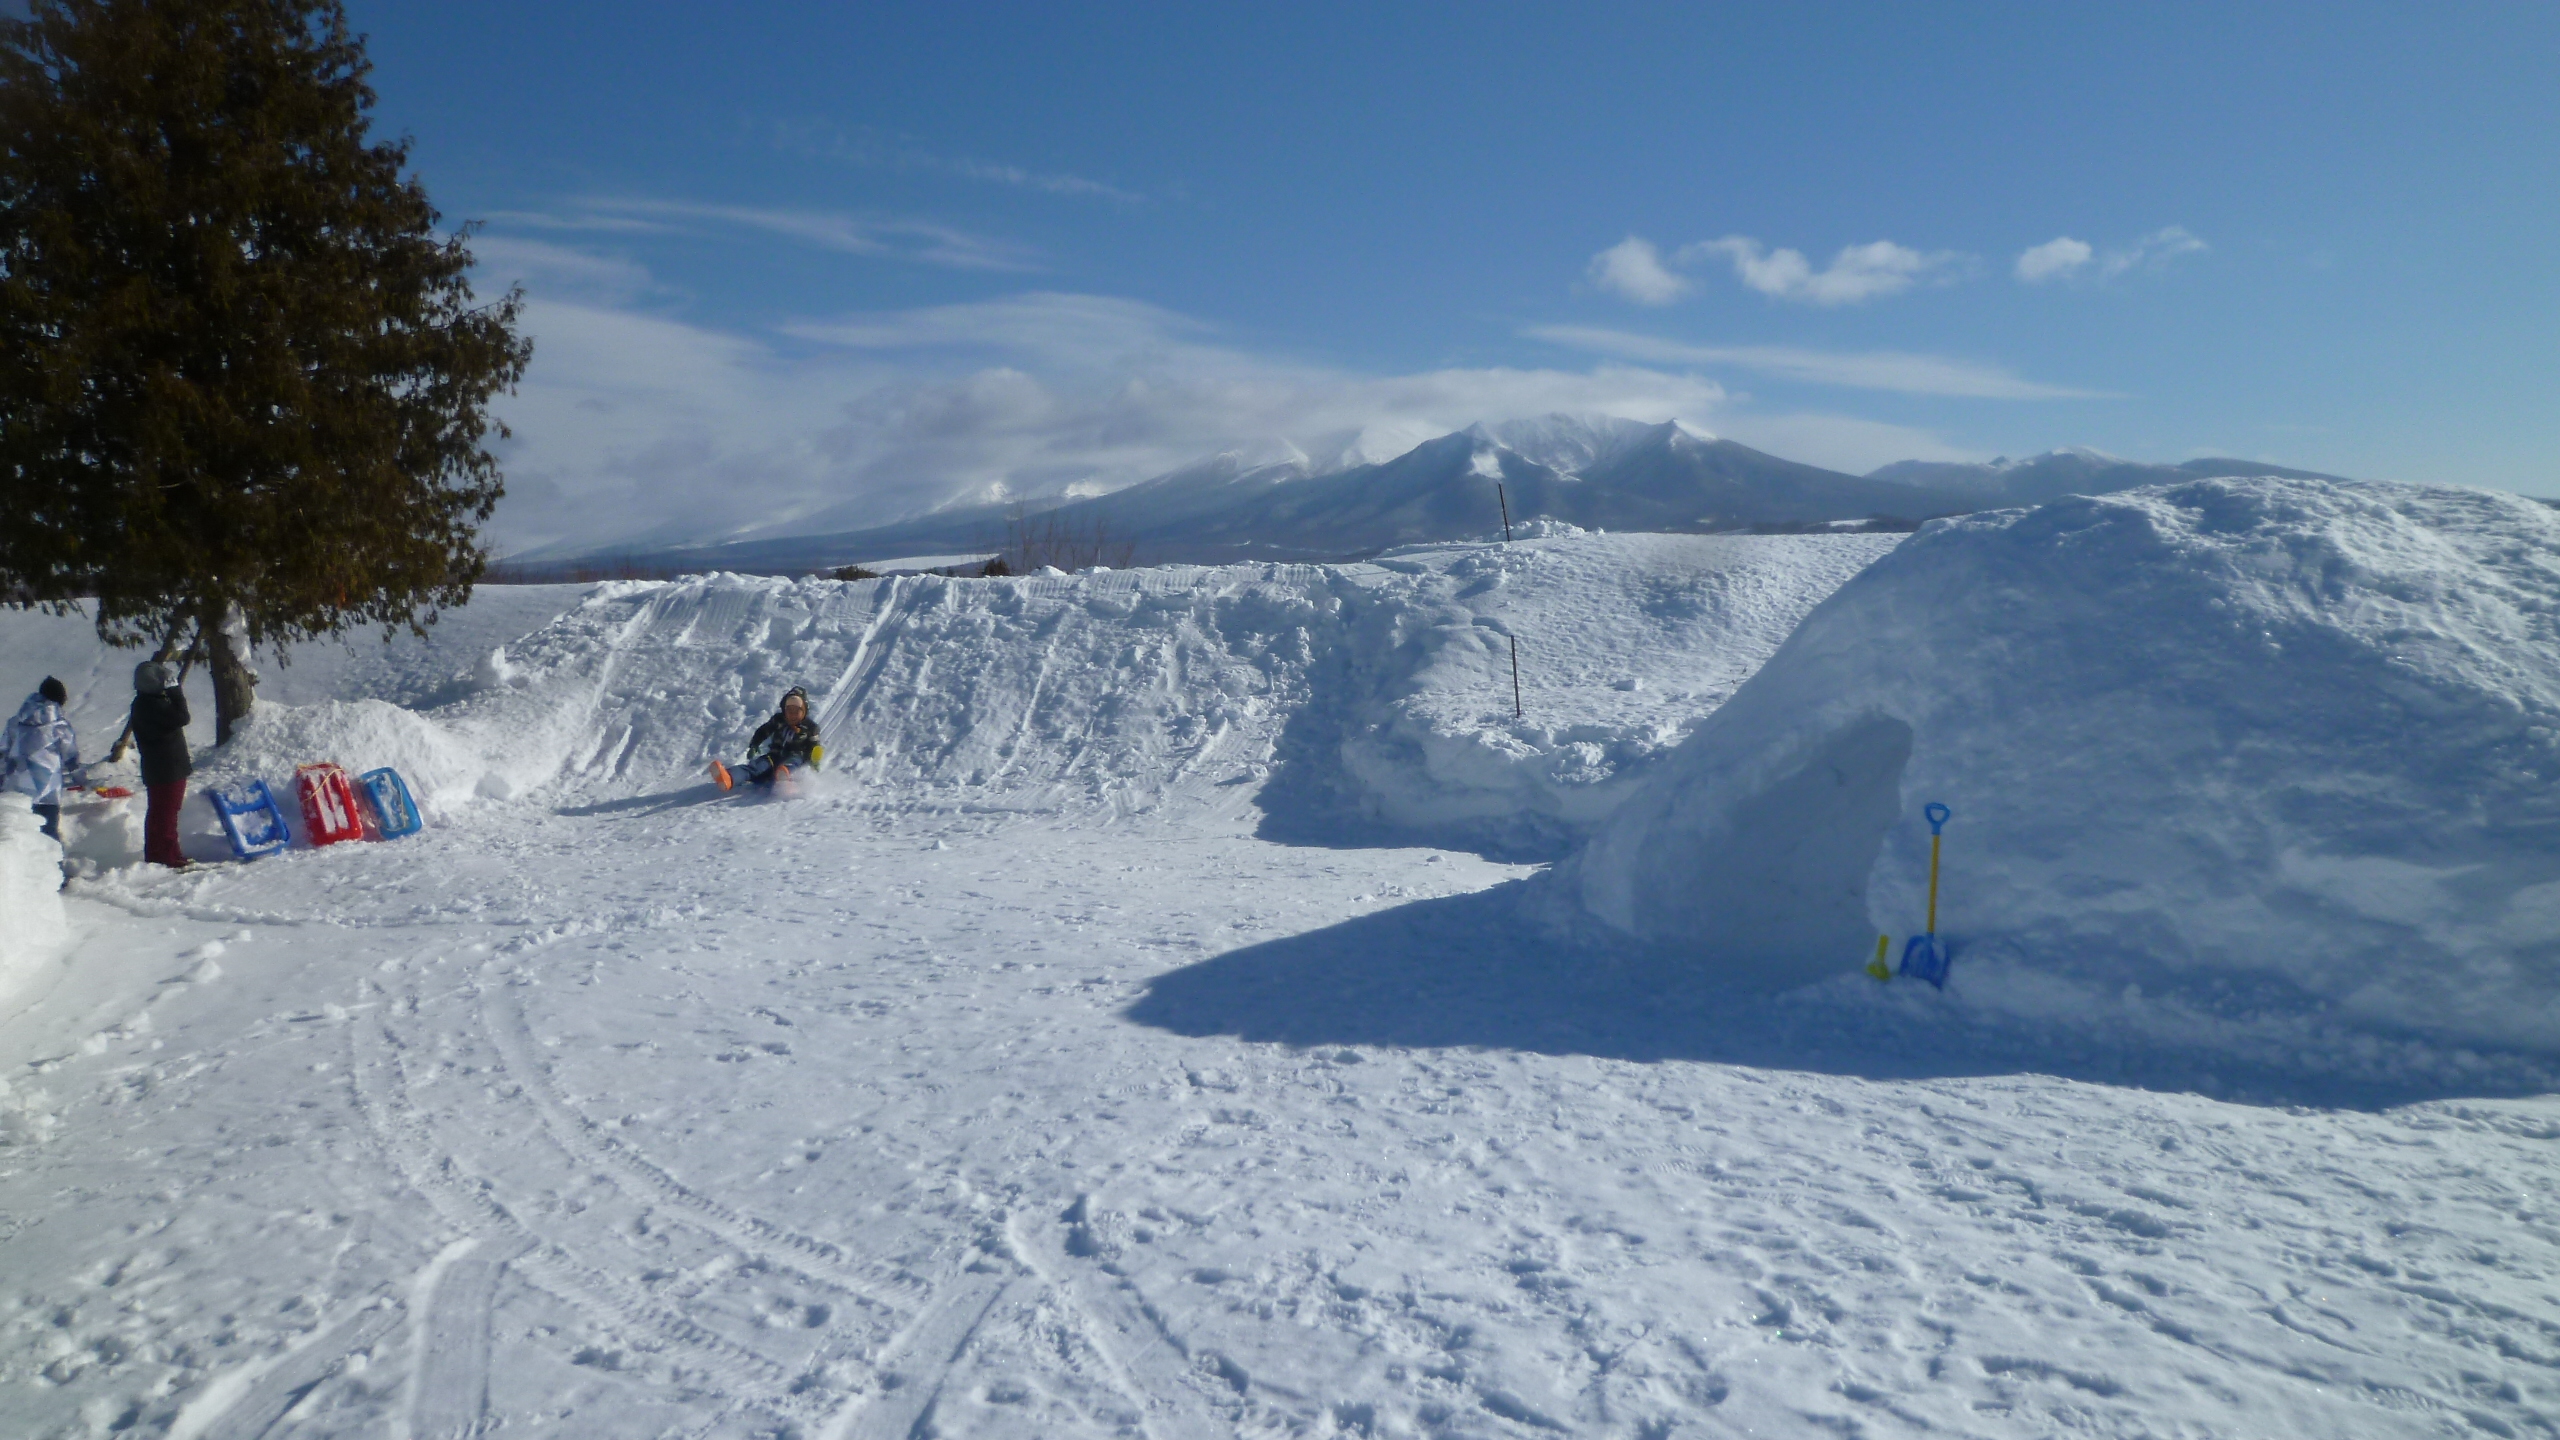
[[1597, 472]]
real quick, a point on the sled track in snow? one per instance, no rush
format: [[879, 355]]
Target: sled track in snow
[[1144, 1363], [937, 1338], [301, 1368], [1147, 1363], [451, 1390], [887, 1290], [385, 1092]]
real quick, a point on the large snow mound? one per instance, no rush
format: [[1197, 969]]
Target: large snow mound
[[2243, 745], [1382, 692]]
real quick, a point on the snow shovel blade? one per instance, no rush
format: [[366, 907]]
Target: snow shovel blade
[[1925, 959]]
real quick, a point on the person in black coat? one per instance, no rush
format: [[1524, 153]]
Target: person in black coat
[[160, 740]]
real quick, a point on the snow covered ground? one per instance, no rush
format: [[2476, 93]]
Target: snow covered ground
[[1142, 1030]]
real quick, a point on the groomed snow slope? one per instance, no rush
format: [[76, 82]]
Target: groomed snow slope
[[2218, 752], [1385, 689]]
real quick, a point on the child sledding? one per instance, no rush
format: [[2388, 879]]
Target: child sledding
[[780, 746]]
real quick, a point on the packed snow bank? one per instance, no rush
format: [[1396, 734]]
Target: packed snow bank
[[1383, 691], [35, 929], [2248, 746], [1623, 643]]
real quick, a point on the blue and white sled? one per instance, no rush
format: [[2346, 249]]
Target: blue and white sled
[[251, 820], [387, 795]]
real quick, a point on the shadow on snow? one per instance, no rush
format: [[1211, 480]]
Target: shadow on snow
[[1472, 971], [646, 805]]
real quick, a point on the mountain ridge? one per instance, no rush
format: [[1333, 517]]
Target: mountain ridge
[[1596, 472]]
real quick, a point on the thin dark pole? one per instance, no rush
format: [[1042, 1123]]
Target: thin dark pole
[[1505, 502], [1515, 677]]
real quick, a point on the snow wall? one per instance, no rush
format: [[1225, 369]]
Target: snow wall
[[1381, 692], [2239, 745], [32, 927]]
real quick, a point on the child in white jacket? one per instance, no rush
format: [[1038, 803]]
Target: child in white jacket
[[41, 753]]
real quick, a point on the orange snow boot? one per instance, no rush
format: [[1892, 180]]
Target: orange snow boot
[[720, 776]]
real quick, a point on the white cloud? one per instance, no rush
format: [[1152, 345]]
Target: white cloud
[[503, 260], [586, 222], [882, 149], [633, 426], [1846, 443], [1634, 269], [2151, 251], [1858, 272], [2053, 259], [2063, 258], [923, 242], [1043, 327], [1893, 370]]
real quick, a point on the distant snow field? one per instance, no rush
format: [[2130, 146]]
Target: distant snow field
[[1200, 1002]]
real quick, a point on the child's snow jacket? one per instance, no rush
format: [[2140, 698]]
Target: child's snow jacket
[[40, 752], [777, 741]]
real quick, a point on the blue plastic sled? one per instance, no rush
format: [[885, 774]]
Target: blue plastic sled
[[387, 795], [250, 819]]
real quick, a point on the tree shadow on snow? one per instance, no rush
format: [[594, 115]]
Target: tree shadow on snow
[[1472, 971]]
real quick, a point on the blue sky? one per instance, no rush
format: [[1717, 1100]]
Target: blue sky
[[797, 255]]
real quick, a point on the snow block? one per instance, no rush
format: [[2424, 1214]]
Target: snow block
[[329, 812], [386, 795], [2253, 745], [30, 894], [251, 820]]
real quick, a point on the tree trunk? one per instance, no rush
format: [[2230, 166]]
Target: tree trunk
[[235, 685]]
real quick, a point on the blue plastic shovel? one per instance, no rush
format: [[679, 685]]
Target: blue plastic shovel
[[1924, 958]]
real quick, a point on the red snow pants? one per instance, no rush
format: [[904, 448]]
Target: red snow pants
[[160, 824]]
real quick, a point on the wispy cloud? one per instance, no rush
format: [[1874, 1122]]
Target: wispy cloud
[[557, 269], [2063, 258], [1633, 268], [577, 222], [2052, 260], [921, 242], [2152, 251], [882, 149], [1857, 273], [1037, 327], [1897, 371]]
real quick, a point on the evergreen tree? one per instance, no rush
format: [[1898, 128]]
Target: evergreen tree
[[244, 382]]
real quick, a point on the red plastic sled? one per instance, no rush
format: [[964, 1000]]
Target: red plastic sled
[[329, 812]]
